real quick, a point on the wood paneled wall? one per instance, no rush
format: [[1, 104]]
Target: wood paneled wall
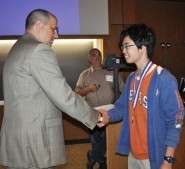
[[167, 19]]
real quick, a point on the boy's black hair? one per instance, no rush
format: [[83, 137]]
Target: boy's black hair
[[141, 35]]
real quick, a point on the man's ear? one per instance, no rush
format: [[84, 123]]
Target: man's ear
[[38, 25]]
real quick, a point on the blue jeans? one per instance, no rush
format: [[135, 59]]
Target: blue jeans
[[98, 141]]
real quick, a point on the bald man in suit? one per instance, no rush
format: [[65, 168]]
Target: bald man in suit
[[35, 93]]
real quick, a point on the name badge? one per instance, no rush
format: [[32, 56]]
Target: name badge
[[109, 78]]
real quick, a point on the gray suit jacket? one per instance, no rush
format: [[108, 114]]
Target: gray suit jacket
[[35, 93]]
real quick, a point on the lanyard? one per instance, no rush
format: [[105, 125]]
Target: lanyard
[[136, 91]]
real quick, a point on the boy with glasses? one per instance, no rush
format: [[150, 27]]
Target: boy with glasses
[[150, 106]]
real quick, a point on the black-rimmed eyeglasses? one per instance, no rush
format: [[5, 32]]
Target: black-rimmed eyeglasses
[[126, 46]]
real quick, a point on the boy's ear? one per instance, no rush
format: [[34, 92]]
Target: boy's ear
[[143, 47]]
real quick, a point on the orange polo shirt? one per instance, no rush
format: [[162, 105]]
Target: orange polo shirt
[[138, 117]]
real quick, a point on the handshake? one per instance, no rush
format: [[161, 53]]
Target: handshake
[[103, 114]]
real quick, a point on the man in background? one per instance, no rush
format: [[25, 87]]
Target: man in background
[[35, 93], [96, 85]]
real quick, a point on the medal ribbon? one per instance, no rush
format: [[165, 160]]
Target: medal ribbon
[[136, 91]]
